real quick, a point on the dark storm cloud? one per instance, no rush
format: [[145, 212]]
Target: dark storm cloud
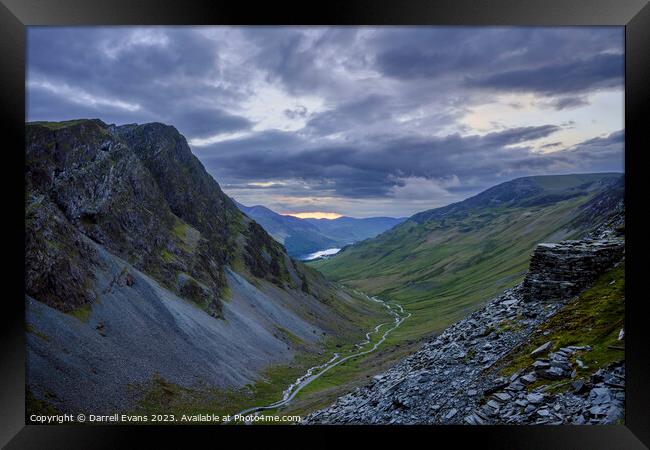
[[299, 111], [367, 172], [601, 71], [601, 154], [162, 73], [45, 105], [348, 114], [409, 54], [602, 149], [289, 56], [118, 61], [518, 135], [537, 60], [204, 122], [568, 102], [351, 112]]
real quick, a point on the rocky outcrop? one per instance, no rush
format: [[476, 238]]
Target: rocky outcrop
[[560, 271], [456, 377], [138, 191], [139, 268], [59, 262]]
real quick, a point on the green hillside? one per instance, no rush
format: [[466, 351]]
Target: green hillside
[[443, 263]]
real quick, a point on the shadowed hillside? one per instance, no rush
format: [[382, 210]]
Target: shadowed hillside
[[141, 271]]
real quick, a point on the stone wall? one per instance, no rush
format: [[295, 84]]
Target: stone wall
[[561, 271]]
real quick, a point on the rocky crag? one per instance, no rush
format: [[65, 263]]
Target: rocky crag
[[533, 355], [141, 274]]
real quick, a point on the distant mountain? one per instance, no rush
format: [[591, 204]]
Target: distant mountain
[[347, 230], [142, 277], [298, 236], [303, 236], [442, 263]]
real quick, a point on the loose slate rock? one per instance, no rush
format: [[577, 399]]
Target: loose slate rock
[[534, 398], [502, 396], [471, 385], [541, 349], [529, 378], [451, 413]]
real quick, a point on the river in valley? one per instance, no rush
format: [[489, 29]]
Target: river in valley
[[361, 348]]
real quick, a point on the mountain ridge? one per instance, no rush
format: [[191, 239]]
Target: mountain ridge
[[444, 262], [135, 258], [510, 192]]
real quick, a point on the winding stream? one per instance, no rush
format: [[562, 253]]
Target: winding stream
[[315, 372]]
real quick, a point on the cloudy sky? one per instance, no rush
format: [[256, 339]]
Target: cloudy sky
[[360, 121]]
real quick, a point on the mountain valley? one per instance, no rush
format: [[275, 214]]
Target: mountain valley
[[142, 275], [148, 289]]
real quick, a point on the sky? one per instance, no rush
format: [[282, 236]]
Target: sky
[[359, 121]]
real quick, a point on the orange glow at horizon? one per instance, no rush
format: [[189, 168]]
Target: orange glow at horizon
[[314, 215]]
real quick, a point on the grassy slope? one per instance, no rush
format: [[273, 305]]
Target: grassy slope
[[594, 318], [163, 397], [451, 273], [440, 267], [440, 271]]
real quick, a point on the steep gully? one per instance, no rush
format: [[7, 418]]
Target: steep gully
[[313, 373]]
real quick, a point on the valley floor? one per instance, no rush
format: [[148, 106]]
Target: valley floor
[[373, 339]]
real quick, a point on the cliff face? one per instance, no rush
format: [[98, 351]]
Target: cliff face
[[138, 267], [530, 356], [138, 191]]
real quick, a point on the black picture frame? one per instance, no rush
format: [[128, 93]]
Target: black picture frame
[[15, 15]]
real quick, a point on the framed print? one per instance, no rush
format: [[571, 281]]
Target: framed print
[[368, 218]]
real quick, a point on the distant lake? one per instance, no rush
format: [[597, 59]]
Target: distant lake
[[320, 254]]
